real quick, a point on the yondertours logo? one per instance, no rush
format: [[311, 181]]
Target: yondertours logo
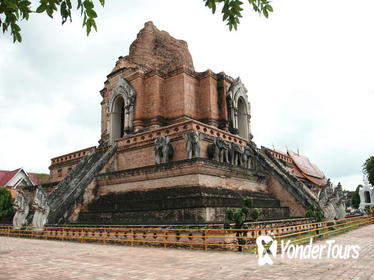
[[267, 248]]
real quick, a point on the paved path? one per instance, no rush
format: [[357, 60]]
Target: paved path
[[40, 259]]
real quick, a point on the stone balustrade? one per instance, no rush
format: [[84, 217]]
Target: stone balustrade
[[178, 236], [71, 156]]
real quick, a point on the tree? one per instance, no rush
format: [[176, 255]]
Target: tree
[[240, 217], [356, 198], [368, 169], [5, 202], [13, 11], [317, 215], [232, 9]]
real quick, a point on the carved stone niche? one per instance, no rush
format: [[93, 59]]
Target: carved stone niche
[[121, 110], [239, 110], [163, 150], [193, 139]]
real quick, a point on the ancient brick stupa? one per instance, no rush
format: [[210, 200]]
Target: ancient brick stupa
[[176, 147]]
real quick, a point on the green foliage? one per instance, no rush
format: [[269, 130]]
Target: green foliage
[[13, 11], [317, 215], [5, 202], [232, 9], [368, 169], [255, 214], [239, 217], [356, 198]]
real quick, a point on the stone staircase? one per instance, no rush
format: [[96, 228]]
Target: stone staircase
[[176, 205], [63, 198], [291, 184]]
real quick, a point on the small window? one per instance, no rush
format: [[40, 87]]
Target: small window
[[59, 173]]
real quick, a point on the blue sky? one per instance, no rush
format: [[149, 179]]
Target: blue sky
[[308, 70]]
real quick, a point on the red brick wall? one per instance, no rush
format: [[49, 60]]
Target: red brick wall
[[182, 94], [286, 199]]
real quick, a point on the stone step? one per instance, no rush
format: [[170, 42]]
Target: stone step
[[70, 190], [172, 203], [184, 202], [177, 197], [169, 216]]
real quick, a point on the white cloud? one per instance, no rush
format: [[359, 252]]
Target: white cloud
[[350, 182]]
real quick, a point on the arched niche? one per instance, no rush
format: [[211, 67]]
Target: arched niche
[[242, 119], [239, 110], [121, 110], [118, 118], [367, 197]]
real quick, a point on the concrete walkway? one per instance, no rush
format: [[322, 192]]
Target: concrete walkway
[[40, 259]]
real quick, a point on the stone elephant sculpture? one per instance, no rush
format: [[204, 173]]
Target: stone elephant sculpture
[[219, 150], [193, 143], [247, 159], [236, 153], [163, 150]]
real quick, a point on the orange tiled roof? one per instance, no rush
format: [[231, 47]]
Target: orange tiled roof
[[309, 170], [301, 166]]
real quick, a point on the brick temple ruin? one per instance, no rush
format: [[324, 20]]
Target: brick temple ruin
[[176, 148]]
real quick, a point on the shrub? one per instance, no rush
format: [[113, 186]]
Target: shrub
[[239, 217], [6, 202]]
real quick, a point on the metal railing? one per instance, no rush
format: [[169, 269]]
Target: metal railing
[[214, 238]]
